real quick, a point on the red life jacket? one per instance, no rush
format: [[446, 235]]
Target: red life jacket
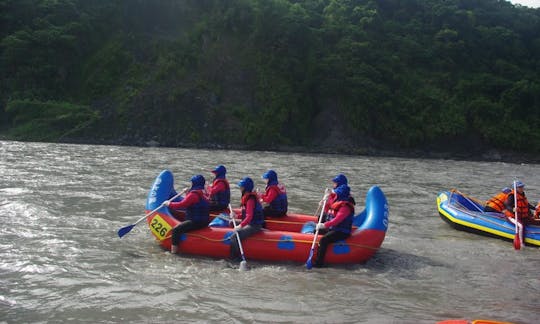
[[280, 203], [199, 211], [258, 216], [222, 198], [346, 225]]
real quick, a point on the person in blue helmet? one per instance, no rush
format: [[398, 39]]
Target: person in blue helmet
[[219, 192], [337, 181], [252, 215], [275, 196], [197, 211], [339, 224], [524, 209]]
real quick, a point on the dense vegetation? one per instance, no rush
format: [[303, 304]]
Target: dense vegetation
[[452, 75]]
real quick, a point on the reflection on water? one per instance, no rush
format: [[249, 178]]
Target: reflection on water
[[62, 261]]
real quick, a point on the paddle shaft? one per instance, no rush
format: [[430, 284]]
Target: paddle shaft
[[320, 220], [126, 229], [309, 264], [237, 235], [517, 237], [162, 204]]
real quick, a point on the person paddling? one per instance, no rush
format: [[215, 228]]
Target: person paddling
[[252, 216], [523, 207], [339, 224], [197, 211], [337, 181]]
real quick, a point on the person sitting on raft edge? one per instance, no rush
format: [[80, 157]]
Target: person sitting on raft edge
[[219, 192], [339, 224], [337, 181], [275, 196], [252, 216], [197, 211], [496, 203], [524, 208]]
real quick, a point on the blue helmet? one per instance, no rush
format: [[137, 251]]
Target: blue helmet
[[520, 184], [340, 179], [219, 171], [246, 183], [270, 175], [197, 182], [506, 190], [342, 192]]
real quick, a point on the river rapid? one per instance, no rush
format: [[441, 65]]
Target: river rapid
[[62, 261]]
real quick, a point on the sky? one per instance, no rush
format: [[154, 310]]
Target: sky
[[528, 3]]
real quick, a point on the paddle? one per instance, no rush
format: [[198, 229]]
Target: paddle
[[243, 263], [126, 229], [316, 213], [517, 236], [309, 265]]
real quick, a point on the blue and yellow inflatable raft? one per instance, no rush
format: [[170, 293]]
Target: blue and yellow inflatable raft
[[467, 214]]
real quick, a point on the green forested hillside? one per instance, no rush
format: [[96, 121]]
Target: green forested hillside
[[339, 75]]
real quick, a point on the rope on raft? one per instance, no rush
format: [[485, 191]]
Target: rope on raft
[[276, 241]]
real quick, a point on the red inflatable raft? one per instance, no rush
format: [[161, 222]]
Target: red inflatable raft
[[282, 240]]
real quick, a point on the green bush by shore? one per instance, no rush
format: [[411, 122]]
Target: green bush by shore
[[326, 75]]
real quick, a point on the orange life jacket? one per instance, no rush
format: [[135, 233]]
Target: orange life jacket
[[522, 207], [497, 202]]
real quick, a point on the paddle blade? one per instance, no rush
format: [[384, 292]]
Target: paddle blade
[[124, 230], [243, 265], [309, 265], [517, 243]]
